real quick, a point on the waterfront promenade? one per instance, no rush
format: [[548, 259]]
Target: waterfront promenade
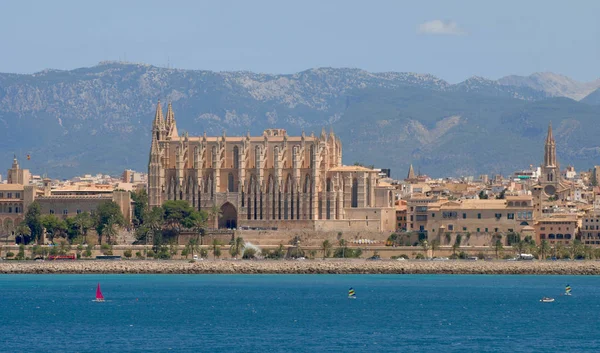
[[355, 266]]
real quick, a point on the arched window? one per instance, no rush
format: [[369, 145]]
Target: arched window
[[230, 183], [307, 187], [312, 150], [328, 185], [236, 157], [354, 192]]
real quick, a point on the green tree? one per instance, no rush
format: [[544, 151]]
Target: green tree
[[24, 232], [63, 247], [178, 214], [483, 195], [236, 247], [128, 253], [33, 219], [343, 248], [80, 225], [457, 243], [108, 212], [544, 249], [498, 247], [197, 221], [21, 253], [110, 231], [326, 248], [435, 245], [216, 247], [54, 226], [501, 196], [576, 249], [193, 246], [140, 206]]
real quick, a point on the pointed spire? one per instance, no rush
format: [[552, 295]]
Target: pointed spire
[[158, 117], [170, 116], [170, 123], [154, 145], [549, 137], [411, 173]]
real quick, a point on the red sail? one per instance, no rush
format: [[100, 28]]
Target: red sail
[[99, 295]]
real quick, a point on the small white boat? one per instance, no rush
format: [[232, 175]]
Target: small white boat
[[547, 300]]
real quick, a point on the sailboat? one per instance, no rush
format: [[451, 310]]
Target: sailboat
[[568, 290], [99, 296], [351, 294]]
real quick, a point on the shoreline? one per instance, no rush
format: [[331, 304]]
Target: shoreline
[[304, 267]]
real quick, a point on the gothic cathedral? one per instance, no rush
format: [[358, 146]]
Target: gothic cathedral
[[273, 181]]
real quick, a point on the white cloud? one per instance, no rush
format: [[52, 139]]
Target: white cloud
[[440, 27]]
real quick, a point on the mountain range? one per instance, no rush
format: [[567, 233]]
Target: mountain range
[[98, 119]]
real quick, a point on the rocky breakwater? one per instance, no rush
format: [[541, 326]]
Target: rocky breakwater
[[304, 267]]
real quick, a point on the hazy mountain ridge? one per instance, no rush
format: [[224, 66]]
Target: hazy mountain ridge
[[554, 85], [98, 119]]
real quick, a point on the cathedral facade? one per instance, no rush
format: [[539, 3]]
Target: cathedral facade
[[266, 182]]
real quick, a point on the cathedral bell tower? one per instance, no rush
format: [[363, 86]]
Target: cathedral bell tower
[[550, 177]]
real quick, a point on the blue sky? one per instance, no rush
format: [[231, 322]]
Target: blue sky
[[450, 39]]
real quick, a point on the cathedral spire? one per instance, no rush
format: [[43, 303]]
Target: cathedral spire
[[550, 148], [549, 137], [158, 118], [411, 173], [171, 124]]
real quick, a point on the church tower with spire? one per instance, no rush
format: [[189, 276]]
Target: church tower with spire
[[550, 187], [155, 169], [550, 169], [411, 177]]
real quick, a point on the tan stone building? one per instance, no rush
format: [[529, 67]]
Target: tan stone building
[[434, 217], [15, 198], [269, 181], [590, 229], [559, 228], [73, 200], [401, 215]]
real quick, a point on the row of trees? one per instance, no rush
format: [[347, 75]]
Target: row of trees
[[105, 222]]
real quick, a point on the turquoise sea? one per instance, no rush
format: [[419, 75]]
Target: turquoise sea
[[298, 313]]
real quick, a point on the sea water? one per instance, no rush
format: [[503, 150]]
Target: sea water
[[298, 313]]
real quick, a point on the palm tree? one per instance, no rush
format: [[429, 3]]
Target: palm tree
[[216, 245], [544, 249], [342, 243], [326, 247], [236, 247], [456, 244], [193, 246], [110, 231], [215, 213], [498, 247], [435, 245], [575, 248], [23, 230]]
